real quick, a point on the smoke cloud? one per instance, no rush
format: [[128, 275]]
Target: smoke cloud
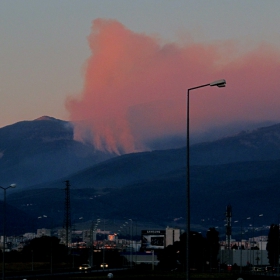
[[135, 88]]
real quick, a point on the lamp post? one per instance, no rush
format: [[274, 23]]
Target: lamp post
[[92, 230], [4, 228], [249, 241], [261, 240], [130, 242], [253, 226], [219, 83], [103, 251], [240, 247]]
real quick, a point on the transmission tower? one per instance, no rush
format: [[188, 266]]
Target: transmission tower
[[67, 214]]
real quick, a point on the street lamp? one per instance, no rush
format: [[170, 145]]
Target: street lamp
[[4, 228], [219, 83], [92, 230], [130, 242], [241, 232], [261, 241], [254, 229]]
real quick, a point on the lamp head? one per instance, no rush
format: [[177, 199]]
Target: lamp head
[[13, 185], [219, 83]]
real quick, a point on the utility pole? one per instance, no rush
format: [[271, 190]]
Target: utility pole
[[91, 245]]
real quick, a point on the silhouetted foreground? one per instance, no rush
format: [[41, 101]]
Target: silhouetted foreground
[[132, 274]]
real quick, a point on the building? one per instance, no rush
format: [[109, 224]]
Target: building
[[43, 232], [244, 257], [159, 239], [149, 257], [241, 252], [29, 236], [172, 235]]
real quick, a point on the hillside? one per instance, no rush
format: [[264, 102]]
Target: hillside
[[41, 151], [241, 170], [162, 200], [253, 145], [33, 153]]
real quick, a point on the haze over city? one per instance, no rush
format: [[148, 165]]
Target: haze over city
[[123, 68]]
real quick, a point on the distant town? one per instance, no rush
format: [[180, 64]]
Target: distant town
[[244, 252]]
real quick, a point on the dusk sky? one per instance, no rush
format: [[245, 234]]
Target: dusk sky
[[125, 66]]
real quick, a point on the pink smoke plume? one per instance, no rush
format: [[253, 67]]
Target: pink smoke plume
[[135, 87]]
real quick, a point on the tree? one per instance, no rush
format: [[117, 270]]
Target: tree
[[213, 247], [168, 257], [273, 245], [174, 256], [45, 248], [197, 251], [201, 251]]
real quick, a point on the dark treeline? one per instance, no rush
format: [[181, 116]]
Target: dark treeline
[[273, 245], [203, 252], [48, 249]]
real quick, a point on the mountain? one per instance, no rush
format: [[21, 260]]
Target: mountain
[[241, 170], [123, 170], [253, 145], [42, 150], [17, 221], [252, 188]]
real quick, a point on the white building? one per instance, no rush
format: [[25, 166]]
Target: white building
[[29, 235], [244, 257], [172, 235], [43, 232]]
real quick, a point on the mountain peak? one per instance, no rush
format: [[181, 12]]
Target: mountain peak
[[46, 118]]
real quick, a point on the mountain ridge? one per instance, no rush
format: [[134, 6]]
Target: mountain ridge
[[43, 150], [241, 170]]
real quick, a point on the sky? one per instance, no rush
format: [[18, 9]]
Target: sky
[[120, 69]]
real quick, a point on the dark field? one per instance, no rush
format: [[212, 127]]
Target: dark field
[[42, 271]]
